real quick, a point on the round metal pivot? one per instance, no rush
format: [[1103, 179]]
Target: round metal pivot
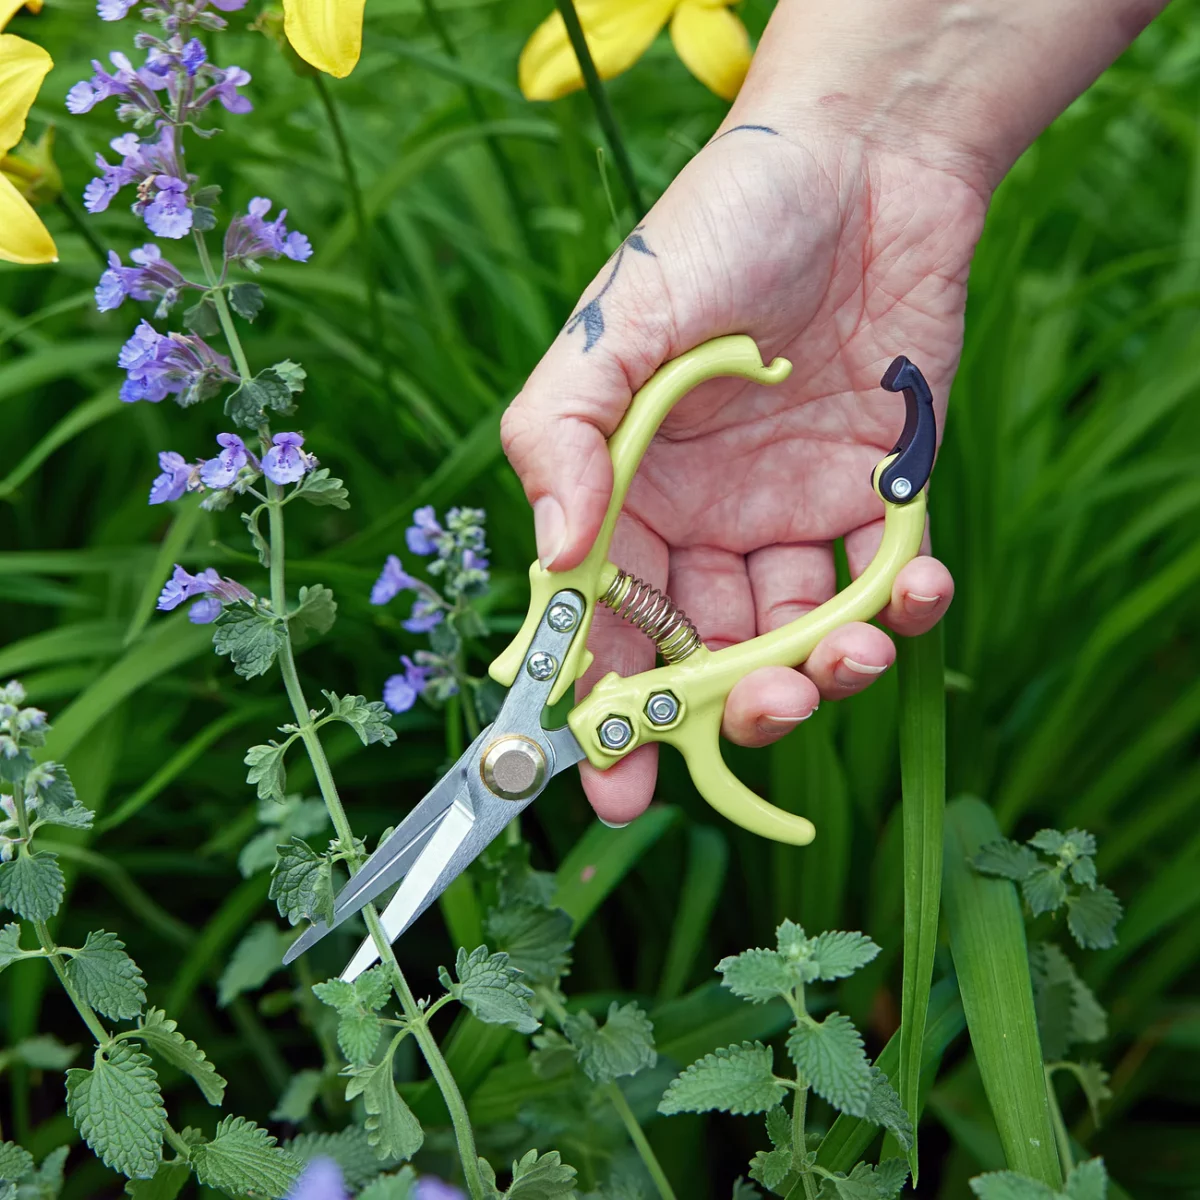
[[616, 733], [513, 767], [662, 708]]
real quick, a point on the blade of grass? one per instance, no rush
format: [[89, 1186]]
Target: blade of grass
[[708, 856], [170, 550]]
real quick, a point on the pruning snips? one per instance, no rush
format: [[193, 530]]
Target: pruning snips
[[680, 703]]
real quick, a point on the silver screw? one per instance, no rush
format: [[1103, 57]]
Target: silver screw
[[901, 487], [562, 618], [541, 665], [662, 708], [616, 733]]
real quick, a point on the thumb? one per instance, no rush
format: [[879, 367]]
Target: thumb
[[555, 431]]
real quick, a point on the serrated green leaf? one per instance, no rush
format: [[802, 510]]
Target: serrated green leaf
[[1083, 871], [391, 1187], [1067, 1009], [890, 1177], [267, 770], [107, 978], [117, 1108], [535, 1177], [244, 1160], [1008, 1185], [251, 639], [202, 318], [291, 817], [302, 883], [298, 1097], [168, 1182], [255, 959], [370, 719], [348, 1148], [1050, 841], [623, 1045], [44, 1052], [790, 939], [858, 1185], [15, 1161], [779, 1128], [1044, 889], [162, 1036], [735, 1079], [771, 1168], [838, 954], [1009, 860], [391, 1127], [1093, 1080], [491, 988], [1087, 1181], [315, 613], [830, 1055], [885, 1108], [322, 489], [57, 803], [10, 945], [31, 885], [269, 389], [247, 300], [757, 975], [745, 1191], [292, 374], [356, 1003], [261, 546], [537, 940], [1092, 917]]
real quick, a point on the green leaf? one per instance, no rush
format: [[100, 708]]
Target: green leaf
[[202, 317], [15, 1161], [267, 771], [838, 954], [293, 816], [830, 1056], [44, 1052], [162, 1036], [623, 1045], [779, 1128], [302, 883], [316, 613], [57, 803], [1067, 1009], [391, 1127], [46, 1180], [10, 945], [534, 1178], [391, 1187], [771, 1168], [758, 975], [168, 1182], [885, 1108], [250, 638], [1092, 918], [243, 1159], [491, 989], [269, 389], [537, 940], [107, 978], [32, 885], [298, 1097], [261, 546], [1083, 871], [257, 957], [1044, 889], [117, 1108], [890, 1177], [1087, 1181], [349, 1148], [1008, 1185], [735, 1079], [246, 299], [1009, 860], [322, 489], [356, 1004], [858, 1185], [292, 374], [1093, 1080], [370, 719]]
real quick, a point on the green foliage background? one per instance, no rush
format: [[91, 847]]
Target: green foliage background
[[1066, 501]]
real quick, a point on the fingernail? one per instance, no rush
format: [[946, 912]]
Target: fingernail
[[613, 824], [919, 606], [850, 673], [771, 725], [550, 527]]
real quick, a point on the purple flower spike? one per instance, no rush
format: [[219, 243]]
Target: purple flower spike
[[174, 480], [393, 580], [226, 81], [251, 236], [430, 1187], [193, 57], [426, 613], [114, 10], [221, 471], [168, 214], [182, 586], [152, 276], [205, 611], [421, 533], [178, 364], [285, 462], [400, 692], [229, 5]]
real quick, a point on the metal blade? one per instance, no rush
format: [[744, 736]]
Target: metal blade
[[395, 857]]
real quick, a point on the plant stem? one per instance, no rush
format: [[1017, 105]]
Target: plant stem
[[1060, 1126], [604, 112], [806, 1186], [82, 228], [638, 1137]]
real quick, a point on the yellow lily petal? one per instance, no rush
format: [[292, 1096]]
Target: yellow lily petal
[[618, 33], [325, 33], [23, 66], [713, 44], [7, 8], [23, 238]]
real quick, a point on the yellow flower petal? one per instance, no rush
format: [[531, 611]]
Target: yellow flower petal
[[7, 8], [325, 33], [23, 66], [618, 33], [23, 238], [713, 44]]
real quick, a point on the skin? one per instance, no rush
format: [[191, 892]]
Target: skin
[[839, 240]]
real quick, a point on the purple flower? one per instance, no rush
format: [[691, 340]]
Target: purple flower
[[430, 1187], [421, 533], [226, 81], [168, 214], [320, 1180], [426, 613], [175, 55], [178, 364], [114, 10], [125, 81], [393, 580], [474, 562], [285, 462], [153, 276], [100, 191], [400, 692], [175, 478], [250, 237], [221, 471], [182, 586], [205, 611], [141, 162]]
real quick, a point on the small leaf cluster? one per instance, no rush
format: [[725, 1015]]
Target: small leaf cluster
[[1086, 1181]]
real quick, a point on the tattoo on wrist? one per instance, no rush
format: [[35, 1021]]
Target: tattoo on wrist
[[591, 316]]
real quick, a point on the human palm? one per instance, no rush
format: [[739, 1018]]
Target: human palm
[[835, 264]]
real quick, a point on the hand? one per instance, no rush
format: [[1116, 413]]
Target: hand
[[837, 260]]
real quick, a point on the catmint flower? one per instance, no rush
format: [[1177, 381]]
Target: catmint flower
[[421, 534], [12, 693], [393, 580], [400, 692], [145, 163], [184, 586], [178, 364], [205, 611], [126, 82], [29, 720], [430, 1187], [178, 476], [152, 276], [176, 55], [168, 214], [7, 847], [114, 10], [320, 1180], [226, 81], [285, 462], [426, 613], [223, 470], [251, 237], [9, 805]]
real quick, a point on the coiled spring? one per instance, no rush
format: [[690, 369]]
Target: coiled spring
[[655, 614]]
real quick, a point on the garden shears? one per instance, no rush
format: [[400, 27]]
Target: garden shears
[[680, 703]]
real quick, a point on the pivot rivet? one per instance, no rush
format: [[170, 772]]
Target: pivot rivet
[[616, 733], [901, 488]]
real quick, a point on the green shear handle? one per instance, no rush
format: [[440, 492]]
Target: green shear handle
[[682, 702]]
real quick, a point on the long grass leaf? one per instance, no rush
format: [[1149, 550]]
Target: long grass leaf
[[708, 856]]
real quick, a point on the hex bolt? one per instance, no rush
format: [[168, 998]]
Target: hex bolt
[[662, 708], [615, 733], [901, 488], [541, 665], [562, 618]]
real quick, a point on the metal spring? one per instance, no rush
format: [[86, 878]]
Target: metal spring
[[655, 614]]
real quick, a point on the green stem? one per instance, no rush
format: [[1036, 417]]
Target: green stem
[[806, 1186], [604, 112], [82, 228], [638, 1137], [81, 1005], [1060, 1126], [224, 316]]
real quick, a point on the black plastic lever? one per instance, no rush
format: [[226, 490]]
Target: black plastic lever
[[904, 477]]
